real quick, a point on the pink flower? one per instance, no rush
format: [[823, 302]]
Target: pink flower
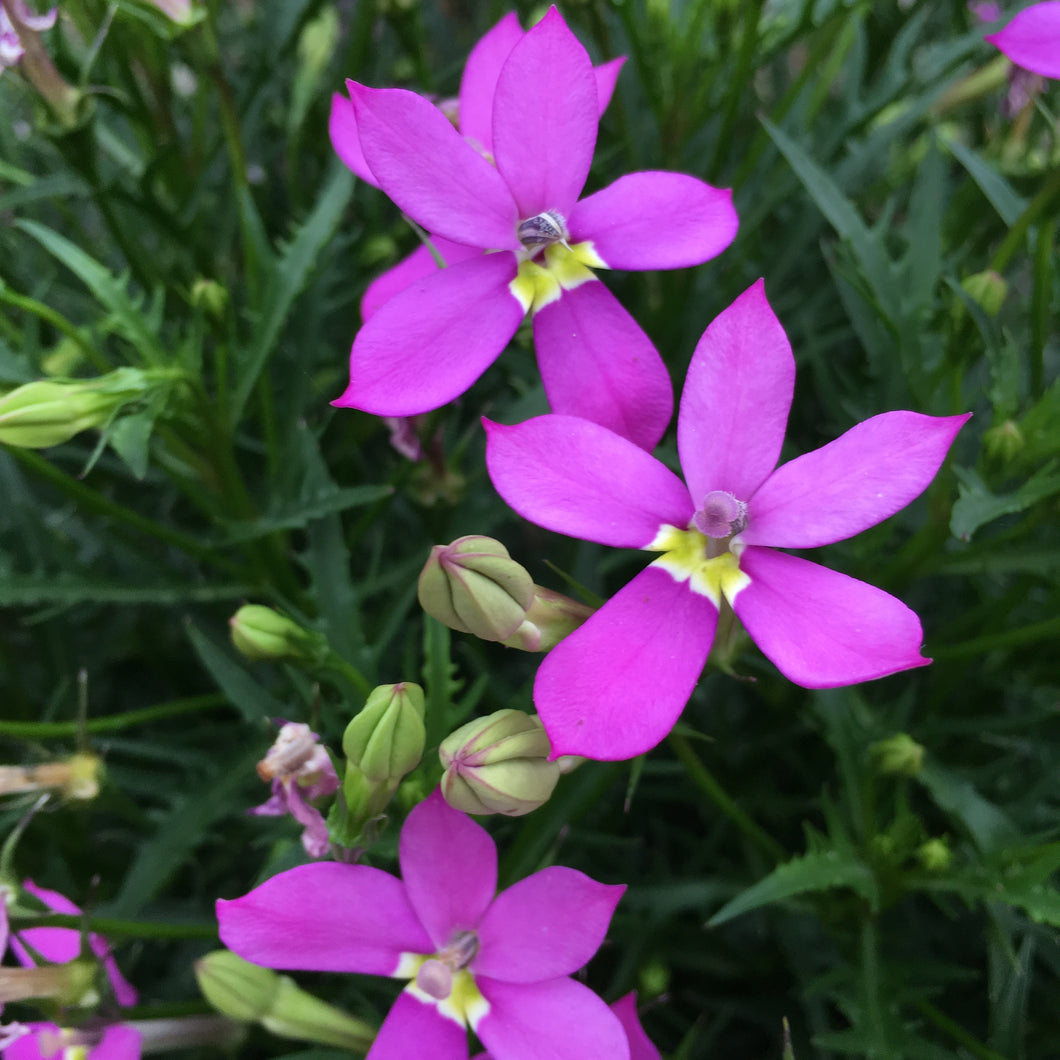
[[529, 245], [11, 49], [616, 685], [301, 771], [57, 945], [472, 114], [1032, 39], [46, 1041], [497, 962]]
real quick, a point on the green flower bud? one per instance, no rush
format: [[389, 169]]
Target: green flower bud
[[935, 855], [242, 991], [210, 296], [261, 633], [1004, 441], [899, 754], [550, 618], [474, 586], [988, 289], [45, 413], [498, 764], [385, 741]]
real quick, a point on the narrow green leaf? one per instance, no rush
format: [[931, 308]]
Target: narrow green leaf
[[976, 505], [989, 828], [328, 502], [818, 871], [244, 693], [992, 184], [35, 590], [287, 280]]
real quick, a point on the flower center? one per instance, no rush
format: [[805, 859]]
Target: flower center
[[721, 516], [706, 563], [435, 975], [542, 231]]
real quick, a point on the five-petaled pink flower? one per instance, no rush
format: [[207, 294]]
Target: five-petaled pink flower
[[472, 114], [534, 244], [615, 687], [1032, 39], [497, 962]]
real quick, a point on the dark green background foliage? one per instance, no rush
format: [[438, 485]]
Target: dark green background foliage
[[773, 869]]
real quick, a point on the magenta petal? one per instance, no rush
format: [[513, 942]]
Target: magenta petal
[[640, 1046], [119, 1043], [325, 917], [342, 128], [821, 628], [614, 688], [449, 865], [419, 264], [430, 171], [604, 488], [1032, 39], [430, 342], [734, 409], [606, 77], [417, 1028], [545, 114], [555, 1020], [855, 482], [55, 945], [596, 362], [549, 924], [479, 82], [656, 220]]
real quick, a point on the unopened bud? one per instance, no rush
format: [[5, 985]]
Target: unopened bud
[[210, 296], [259, 632], [1004, 441], [385, 740], [474, 586], [988, 289], [247, 993], [43, 413], [899, 754], [935, 855], [498, 764], [551, 617]]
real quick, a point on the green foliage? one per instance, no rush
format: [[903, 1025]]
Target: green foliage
[[192, 230]]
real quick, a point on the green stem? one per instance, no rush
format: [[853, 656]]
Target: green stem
[[135, 929], [41, 730], [706, 782], [956, 1031], [104, 506], [1034, 210], [337, 663], [57, 321]]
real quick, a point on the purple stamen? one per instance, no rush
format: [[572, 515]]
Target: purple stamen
[[722, 515]]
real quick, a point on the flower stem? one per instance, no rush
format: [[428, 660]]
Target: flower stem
[[42, 730], [708, 784]]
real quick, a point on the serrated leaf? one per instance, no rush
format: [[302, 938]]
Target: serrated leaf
[[992, 184], [328, 502], [819, 871], [976, 505], [286, 280], [989, 828], [109, 290]]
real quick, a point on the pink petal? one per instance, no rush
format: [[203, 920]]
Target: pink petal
[[325, 917], [52, 899], [119, 1043], [577, 478], [596, 362], [656, 220], [342, 128], [855, 482], [430, 171], [640, 1046], [449, 865], [735, 404], [606, 77], [614, 688], [555, 1020], [416, 1028], [55, 945], [429, 343], [479, 82], [821, 628], [549, 924], [1032, 39], [545, 114], [419, 264]]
